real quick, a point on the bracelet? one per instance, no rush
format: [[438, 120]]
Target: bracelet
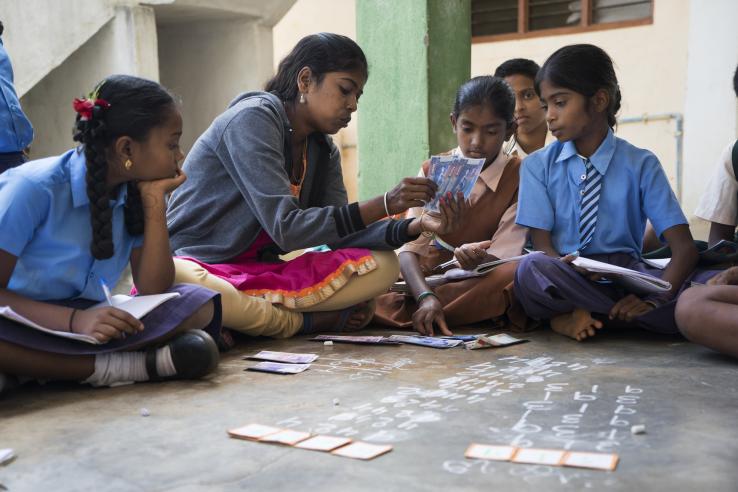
[[71, 320], [423, 232], [386, 208], [425, 294]]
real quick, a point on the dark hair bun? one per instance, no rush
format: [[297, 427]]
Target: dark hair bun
[[323, 53], [583, 68], [489, 90]]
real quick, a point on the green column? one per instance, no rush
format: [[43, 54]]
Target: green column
[[419, 52]]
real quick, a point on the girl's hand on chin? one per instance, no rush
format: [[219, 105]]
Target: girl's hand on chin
[[164, 185]]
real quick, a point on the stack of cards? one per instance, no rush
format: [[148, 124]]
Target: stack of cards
[[439, 343], [339, 446], [361, 340], [550, 457], [284, 357], [281, 362], [489, 341], [452, 174]]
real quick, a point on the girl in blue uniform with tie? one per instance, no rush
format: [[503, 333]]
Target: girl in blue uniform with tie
[[72, 222], [590, 194]]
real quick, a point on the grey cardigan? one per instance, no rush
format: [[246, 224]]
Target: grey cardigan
[[238, 184]]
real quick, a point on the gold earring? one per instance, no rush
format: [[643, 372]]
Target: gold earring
[[302, 98], [128, 164]]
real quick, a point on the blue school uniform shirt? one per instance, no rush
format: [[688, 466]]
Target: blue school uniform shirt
[[45, 223], [16, 132], [634, 188]]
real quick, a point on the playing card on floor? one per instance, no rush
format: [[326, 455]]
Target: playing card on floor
[[278, 368], [285, 357]]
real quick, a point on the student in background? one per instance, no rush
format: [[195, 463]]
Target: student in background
[[265, 179], [482, 120], [707, 314], [591, 193], [531, 132], [72, 221], [719, 202], [16, 132]]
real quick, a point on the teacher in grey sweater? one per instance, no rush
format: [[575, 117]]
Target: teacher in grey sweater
[[265, 179]]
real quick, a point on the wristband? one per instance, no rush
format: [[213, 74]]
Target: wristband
[[425, 294]]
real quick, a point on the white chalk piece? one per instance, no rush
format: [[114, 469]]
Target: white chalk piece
[[489, 452], [362, 450], [336, 402], [286, 436], [253, 432], [539, 456], [638, 429], [6, 456], [144, 412], [328, 343], [595, 461], [323, 443]]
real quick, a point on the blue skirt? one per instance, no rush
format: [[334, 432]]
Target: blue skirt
[[157, 324]]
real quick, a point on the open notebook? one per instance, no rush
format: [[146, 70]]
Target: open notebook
[[455, 273], [632, 280], [138, 306]]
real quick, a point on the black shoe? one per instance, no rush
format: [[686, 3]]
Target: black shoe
[[194, 354]]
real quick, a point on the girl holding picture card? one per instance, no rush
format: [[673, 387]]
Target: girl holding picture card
[[482, 120]]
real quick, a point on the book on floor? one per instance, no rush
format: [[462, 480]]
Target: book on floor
[[138, 306]]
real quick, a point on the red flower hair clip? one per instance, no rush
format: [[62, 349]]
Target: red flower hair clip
[[85, 106]]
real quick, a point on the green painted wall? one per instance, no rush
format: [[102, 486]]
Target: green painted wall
[[419, 52]]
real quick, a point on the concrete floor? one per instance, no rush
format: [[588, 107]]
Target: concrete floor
[[430, 404]]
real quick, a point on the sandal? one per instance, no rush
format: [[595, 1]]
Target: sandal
[[345, 314]]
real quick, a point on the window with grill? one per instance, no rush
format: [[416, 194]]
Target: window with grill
[[507, 19]]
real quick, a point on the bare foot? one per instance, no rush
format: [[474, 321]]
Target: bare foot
[[330, 320], [579, 324]]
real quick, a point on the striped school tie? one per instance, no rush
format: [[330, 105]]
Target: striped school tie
[[589, 204]]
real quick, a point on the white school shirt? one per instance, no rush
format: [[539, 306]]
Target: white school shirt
[[719, 202]]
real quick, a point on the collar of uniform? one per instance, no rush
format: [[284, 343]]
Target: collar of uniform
[[492, 175], [600, 159], [78, 179]]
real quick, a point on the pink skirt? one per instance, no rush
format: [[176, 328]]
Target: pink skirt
[[302, 282]]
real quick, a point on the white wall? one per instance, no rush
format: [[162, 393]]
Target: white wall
[[126, 44], [208, 63], [310, 17], [650, 62], [41, 34], [711, 112]]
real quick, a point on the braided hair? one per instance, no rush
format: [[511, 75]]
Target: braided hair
[[134, 106]]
